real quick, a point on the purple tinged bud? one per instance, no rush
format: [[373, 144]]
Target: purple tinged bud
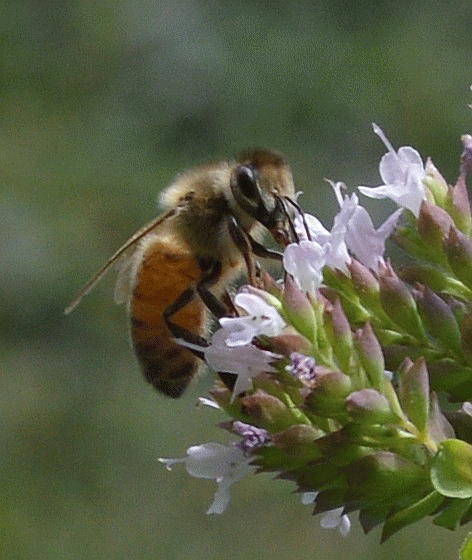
[[458, 249], [399, 304], [433, 225], [413, 392], [299, 309], [439, 320], [266, 411], [298, 440], [370, 407], [364, 281], [287, 344], [370, 356], [327, 397], [459, 205], [466, 158], [338, 332], [435, 183], [439, 428]]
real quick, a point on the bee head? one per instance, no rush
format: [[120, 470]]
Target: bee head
[[260, 183]]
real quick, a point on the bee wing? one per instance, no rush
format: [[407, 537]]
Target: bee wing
[[145, 230], [123, 280]]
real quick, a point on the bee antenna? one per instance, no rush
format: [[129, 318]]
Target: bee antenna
[[302, 215]]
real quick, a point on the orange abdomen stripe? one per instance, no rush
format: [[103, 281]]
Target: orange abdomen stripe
[[163, 274]]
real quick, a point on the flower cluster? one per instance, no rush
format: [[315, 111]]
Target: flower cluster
[[351, 378]]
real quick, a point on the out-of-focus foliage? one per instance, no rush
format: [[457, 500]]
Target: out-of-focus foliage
[[101, 104]]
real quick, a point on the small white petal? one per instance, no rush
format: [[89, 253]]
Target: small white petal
[[308, 498], [403, 174], [220, 501], [332, 519], [262, 319], [345, 525], [208, 402]]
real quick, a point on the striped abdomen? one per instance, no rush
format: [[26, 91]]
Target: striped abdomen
[[162, 274]]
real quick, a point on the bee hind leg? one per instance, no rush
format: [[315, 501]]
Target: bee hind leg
[[181, 332], [202, 285]]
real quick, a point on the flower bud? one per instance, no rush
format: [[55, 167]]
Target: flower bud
[[433, 226], [439, 320], [435, 183], [413, 392], [338, 332], [399, 305], [298, 440], [370, 407], [266, 411], [286, 344], [458, 199], [439, 428], [371, 356], [299, 309], [365, 283], [327, 397], [458, 249]]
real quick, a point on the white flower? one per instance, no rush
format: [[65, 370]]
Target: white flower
[[226, 464], [360, 236], [334, 519], [244, 361], [402, 173], [305, 262], [261, 318]]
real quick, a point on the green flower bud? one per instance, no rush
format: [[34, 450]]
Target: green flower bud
[[370, 407], [399, 305], [365, 283], [435, 182], [299, 309], [439, 428], [298, 440], [370, 356], [433, 226], [458, 249], [328, 394], [439, 320], [338, 332], [286, 344], [458, 198], [266, 411], [413, 392]]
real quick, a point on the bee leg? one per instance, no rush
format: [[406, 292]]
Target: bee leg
[[181, 332], [264, 252], [243, 243], [209, 277]]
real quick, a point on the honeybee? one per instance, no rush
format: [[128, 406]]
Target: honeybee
[[215, 216]]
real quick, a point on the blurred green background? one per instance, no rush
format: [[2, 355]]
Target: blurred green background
[[102, 103]]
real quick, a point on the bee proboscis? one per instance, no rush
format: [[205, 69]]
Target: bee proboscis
[[184, 260]]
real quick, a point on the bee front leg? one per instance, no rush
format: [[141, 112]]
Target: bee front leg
[[243, 242]]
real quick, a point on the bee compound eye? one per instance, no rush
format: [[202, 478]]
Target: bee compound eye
[[247, 181]]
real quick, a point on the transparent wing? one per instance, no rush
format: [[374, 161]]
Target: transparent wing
[[145, 230]]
